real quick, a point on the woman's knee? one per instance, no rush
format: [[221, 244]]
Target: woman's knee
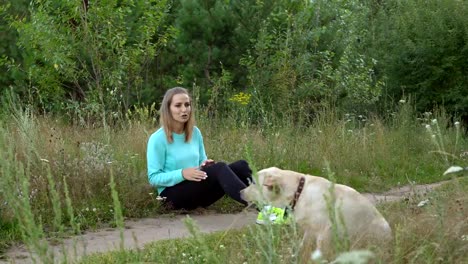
[[241, 163], [241, 168]]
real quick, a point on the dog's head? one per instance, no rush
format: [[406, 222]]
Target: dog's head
[[274, 186]]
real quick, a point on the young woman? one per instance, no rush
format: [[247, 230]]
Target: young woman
[[177, 162]]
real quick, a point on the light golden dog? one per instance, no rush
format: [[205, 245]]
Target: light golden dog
[[312, 199]]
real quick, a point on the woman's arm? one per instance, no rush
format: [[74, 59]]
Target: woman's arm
[[156, 159], [201, 148]]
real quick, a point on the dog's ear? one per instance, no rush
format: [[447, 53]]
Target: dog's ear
[[272, 184]]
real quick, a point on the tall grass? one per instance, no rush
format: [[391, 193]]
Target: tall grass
[[434, 233], [87, 176]]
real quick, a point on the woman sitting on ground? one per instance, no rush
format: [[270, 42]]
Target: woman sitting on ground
[[178, 165]]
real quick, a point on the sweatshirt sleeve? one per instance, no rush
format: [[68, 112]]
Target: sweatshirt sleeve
[[202, 152], [156, 158]]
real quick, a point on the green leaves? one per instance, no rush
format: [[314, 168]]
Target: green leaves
[[94, 55]]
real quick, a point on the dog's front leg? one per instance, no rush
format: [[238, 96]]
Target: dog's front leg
[[323, 238], [306, 245], [321, 243]]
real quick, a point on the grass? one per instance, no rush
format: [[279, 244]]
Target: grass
[[434, 233], [62, 172]]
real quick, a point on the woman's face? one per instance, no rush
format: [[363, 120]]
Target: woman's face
[[180, 108]]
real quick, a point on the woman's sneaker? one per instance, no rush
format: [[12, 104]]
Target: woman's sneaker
[[272, 215]]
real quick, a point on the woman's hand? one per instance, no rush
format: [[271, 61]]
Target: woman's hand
[[194, 174], [207, 162]]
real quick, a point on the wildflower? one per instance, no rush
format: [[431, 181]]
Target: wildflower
[[87, 209], [221, 246], [45, 160], [423, 203], [428, 127], [316, 255], [464, 237], [402, 101], [434, 121], [457, 124], [109, 162], [183, 254], [241, 98], [56, 66], [150, 193]]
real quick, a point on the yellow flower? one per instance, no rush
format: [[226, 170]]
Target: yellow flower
[[241, 98]]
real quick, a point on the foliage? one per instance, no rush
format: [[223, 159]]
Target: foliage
[[292, 57], [93, 53], [422, 48], [305, 58], [9, 51]]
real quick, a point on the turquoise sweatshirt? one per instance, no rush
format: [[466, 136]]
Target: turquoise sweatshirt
[[166, 160]]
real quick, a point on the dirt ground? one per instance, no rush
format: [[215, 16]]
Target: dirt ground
[[138, 232]]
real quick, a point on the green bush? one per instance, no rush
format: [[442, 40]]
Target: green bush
[[93, 54], [422, 48]]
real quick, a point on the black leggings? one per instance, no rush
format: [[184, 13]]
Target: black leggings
[[222, 179]]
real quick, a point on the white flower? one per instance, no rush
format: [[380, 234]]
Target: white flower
[[316, 255], [221, 246], [464, 237], [94, 209], [44, 160], [453, 169], [423, 203], [457, 123], [402, 101], [428, 127], [434, 121]]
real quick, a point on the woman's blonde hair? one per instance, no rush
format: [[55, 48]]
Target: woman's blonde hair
[[165, 119]]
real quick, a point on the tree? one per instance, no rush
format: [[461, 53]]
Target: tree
[[92, 53]]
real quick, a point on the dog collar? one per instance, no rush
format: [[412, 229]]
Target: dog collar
[[298, 192]]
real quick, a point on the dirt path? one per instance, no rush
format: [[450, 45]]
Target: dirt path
[[141, 231]]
